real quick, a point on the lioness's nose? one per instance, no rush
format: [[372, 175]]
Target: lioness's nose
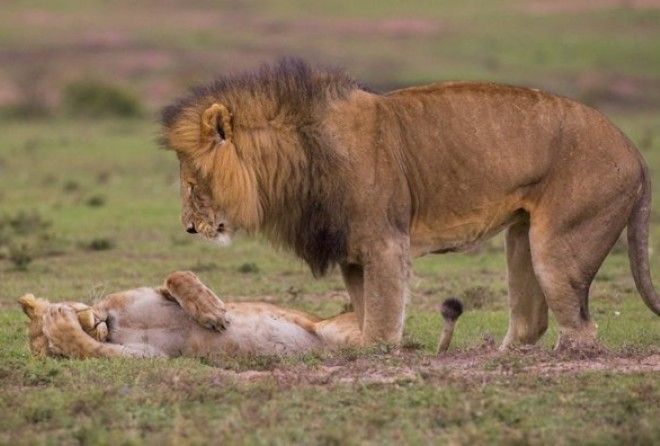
[[191, 229]]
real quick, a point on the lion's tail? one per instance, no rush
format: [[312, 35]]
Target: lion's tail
[[451, 310], [638, 242]]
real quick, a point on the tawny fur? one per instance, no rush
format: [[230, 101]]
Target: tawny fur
[[177, 319], [341, 175]]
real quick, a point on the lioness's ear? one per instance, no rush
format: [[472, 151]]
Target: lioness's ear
[[216, 122], [28, 303]]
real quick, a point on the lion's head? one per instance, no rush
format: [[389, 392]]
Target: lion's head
[[254, 155], [218, 187]]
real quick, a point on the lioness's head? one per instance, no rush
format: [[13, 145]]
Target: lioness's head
[[218, 187], [34, 308]]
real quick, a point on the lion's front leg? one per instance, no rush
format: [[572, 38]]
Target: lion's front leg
[[354, 281], [197, 300], [66, 336], [386, 272]]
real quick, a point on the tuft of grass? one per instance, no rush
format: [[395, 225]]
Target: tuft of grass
[[71, 186], [100, 244], [26, 222], [25, 236], [95, 99], [248, 268], [95, 201], [21, 255]]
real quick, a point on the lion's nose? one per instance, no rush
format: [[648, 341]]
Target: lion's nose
[[191, 229]]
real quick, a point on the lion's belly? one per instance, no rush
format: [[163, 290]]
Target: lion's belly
[[444, 231]]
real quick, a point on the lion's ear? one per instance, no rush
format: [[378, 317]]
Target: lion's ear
[[216, 122], [29, 304]]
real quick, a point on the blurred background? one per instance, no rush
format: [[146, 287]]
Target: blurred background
[[88, 204], [52, 53]]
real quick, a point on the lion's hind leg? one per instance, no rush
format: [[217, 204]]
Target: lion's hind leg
[[528, 310], [197, 299], [566, 255]]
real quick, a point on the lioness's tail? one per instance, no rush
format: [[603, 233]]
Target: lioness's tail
[[451, 310], [638, 242]]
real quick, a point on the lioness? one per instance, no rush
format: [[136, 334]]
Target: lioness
[[171, 321], [342, 175]]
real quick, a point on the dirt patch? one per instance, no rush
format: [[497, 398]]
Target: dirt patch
[[358, 373], [482, 364]]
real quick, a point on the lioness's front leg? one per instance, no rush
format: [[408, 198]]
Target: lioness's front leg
[[197, 299], [66, 337], [386, 270]]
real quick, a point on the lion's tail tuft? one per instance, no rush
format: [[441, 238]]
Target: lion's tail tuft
[[451, 310]]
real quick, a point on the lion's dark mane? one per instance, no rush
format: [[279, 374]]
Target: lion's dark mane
[[297, 94]]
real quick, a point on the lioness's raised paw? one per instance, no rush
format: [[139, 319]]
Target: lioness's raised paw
[[63, 331], [197, 300]]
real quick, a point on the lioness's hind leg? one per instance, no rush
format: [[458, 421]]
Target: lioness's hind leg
[[197, 299], [528, 310]]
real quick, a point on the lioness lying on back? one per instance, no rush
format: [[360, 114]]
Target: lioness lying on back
[[171, 321]]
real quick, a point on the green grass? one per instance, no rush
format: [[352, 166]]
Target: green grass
[[181, 401], [188, 400], [105, 184]]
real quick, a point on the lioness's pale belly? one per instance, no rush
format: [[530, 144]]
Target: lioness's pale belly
[[150, 323]]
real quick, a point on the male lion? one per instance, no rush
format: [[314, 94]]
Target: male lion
[[169, 321], [341, 175]]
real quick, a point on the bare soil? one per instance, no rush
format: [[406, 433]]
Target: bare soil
[[482, 364]]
